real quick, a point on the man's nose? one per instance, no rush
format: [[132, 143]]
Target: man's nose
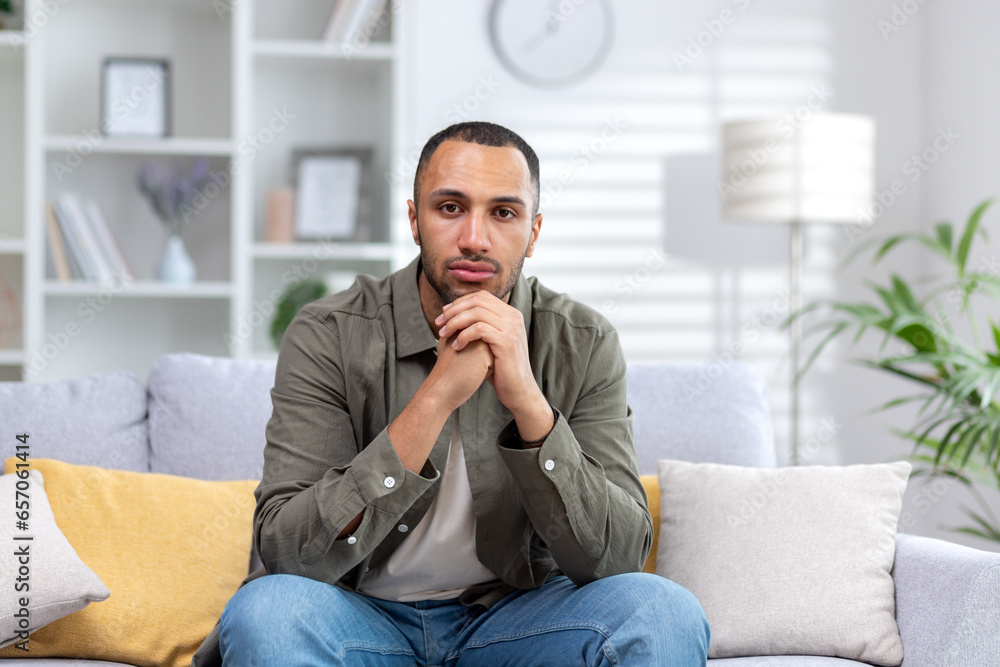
[[474, 238]]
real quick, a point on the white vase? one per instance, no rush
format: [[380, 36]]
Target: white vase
[[175, 264]]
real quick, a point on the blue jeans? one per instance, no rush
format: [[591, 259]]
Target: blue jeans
[[626, 619]]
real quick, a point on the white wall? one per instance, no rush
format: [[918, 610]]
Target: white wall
[[610, 220]]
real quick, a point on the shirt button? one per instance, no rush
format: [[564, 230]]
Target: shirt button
[[389, 482], [352, 539], [403, 528], [550, 464]]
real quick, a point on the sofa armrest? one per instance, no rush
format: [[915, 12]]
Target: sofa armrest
[[947, 602]]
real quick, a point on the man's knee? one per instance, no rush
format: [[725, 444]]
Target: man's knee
[[273, 604], [659, 601]]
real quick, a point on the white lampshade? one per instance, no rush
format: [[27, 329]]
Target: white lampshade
[[821, 169]]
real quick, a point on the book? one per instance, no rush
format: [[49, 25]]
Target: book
[[338, 17], [363, 11], [108, 241], [80, 266], [57, 248], [100, 264]]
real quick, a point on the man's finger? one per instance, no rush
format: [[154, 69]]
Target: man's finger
[[469, 317], [478, 331], [480, 299]]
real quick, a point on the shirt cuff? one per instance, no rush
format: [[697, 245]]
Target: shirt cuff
[[382, 479], [546, 467]]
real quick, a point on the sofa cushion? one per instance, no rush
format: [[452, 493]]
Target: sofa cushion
[[96, 420], [785, 661], [172, 550], [792, 560], [207, 416], [651, 485], [61, 662], [58, 583], [713, 413]]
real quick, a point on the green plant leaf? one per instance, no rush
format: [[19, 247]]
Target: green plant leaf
[[994, 448], [922, 438], [970, 443], [968, 234], [943, 445], [990, 531], [834, 332], [944, 235], [976, 533], [919, 336], [990, 391], [904, 294], [898, 371], [898, 401], [291, 301], [929, 242]]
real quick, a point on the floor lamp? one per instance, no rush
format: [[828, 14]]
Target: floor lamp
[[787, 170]]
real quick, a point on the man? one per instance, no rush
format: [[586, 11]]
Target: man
[[449, 476]]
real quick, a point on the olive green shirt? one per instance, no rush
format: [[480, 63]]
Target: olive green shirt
[[348, 365]]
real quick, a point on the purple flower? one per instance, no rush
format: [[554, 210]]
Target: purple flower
[[172, 196]]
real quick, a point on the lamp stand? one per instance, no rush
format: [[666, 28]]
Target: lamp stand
[[795, 342]]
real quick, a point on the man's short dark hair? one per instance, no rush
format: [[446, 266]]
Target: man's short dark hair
[[484, 134]]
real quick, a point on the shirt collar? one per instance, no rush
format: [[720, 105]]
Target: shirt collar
[[413, 334]]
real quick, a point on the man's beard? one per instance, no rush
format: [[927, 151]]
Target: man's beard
[[448, 293]]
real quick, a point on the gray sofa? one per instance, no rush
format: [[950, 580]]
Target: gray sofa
[[204, 417]]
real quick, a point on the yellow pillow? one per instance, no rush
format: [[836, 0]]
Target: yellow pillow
[[651, 483], [172, 550]]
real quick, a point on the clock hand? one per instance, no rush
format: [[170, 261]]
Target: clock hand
[[551, 27]]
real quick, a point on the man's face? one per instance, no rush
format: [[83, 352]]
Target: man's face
[[475, 226]]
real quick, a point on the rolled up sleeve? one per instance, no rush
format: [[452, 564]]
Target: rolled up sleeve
[[316, 478], [581, 488]]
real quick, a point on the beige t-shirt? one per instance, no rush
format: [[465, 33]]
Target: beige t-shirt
[[437, 560]]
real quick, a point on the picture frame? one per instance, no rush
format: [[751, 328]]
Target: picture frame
[[135, 97], [333, 193]]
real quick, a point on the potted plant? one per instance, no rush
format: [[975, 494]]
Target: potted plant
[[956, 381], [297, 295]]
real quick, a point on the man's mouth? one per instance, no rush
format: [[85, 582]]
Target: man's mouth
[[472, 272]]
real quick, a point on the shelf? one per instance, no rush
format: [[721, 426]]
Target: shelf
[[311, 48], [328, 250], [143, 288], [112, 145], [12, 246], [11, 357]]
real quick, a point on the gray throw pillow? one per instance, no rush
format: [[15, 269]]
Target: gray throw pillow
[[45, 571], [787, 560]]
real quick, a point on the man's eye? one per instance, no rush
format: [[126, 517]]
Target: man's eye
[[505, 213], [450, 208]]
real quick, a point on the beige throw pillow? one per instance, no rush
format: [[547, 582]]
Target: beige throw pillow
[[43, 571], [787, 560]]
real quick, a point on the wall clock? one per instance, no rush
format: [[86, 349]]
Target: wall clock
[[551, 43]]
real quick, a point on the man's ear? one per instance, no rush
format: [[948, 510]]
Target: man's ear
[[536, 226], [411, 212]]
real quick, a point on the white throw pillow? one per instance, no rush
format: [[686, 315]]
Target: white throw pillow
[[791, 560], [43, 571]]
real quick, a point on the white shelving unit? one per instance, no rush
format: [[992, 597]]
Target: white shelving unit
[[166, 146], [234, 66], [13, 244], [205, 289]]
